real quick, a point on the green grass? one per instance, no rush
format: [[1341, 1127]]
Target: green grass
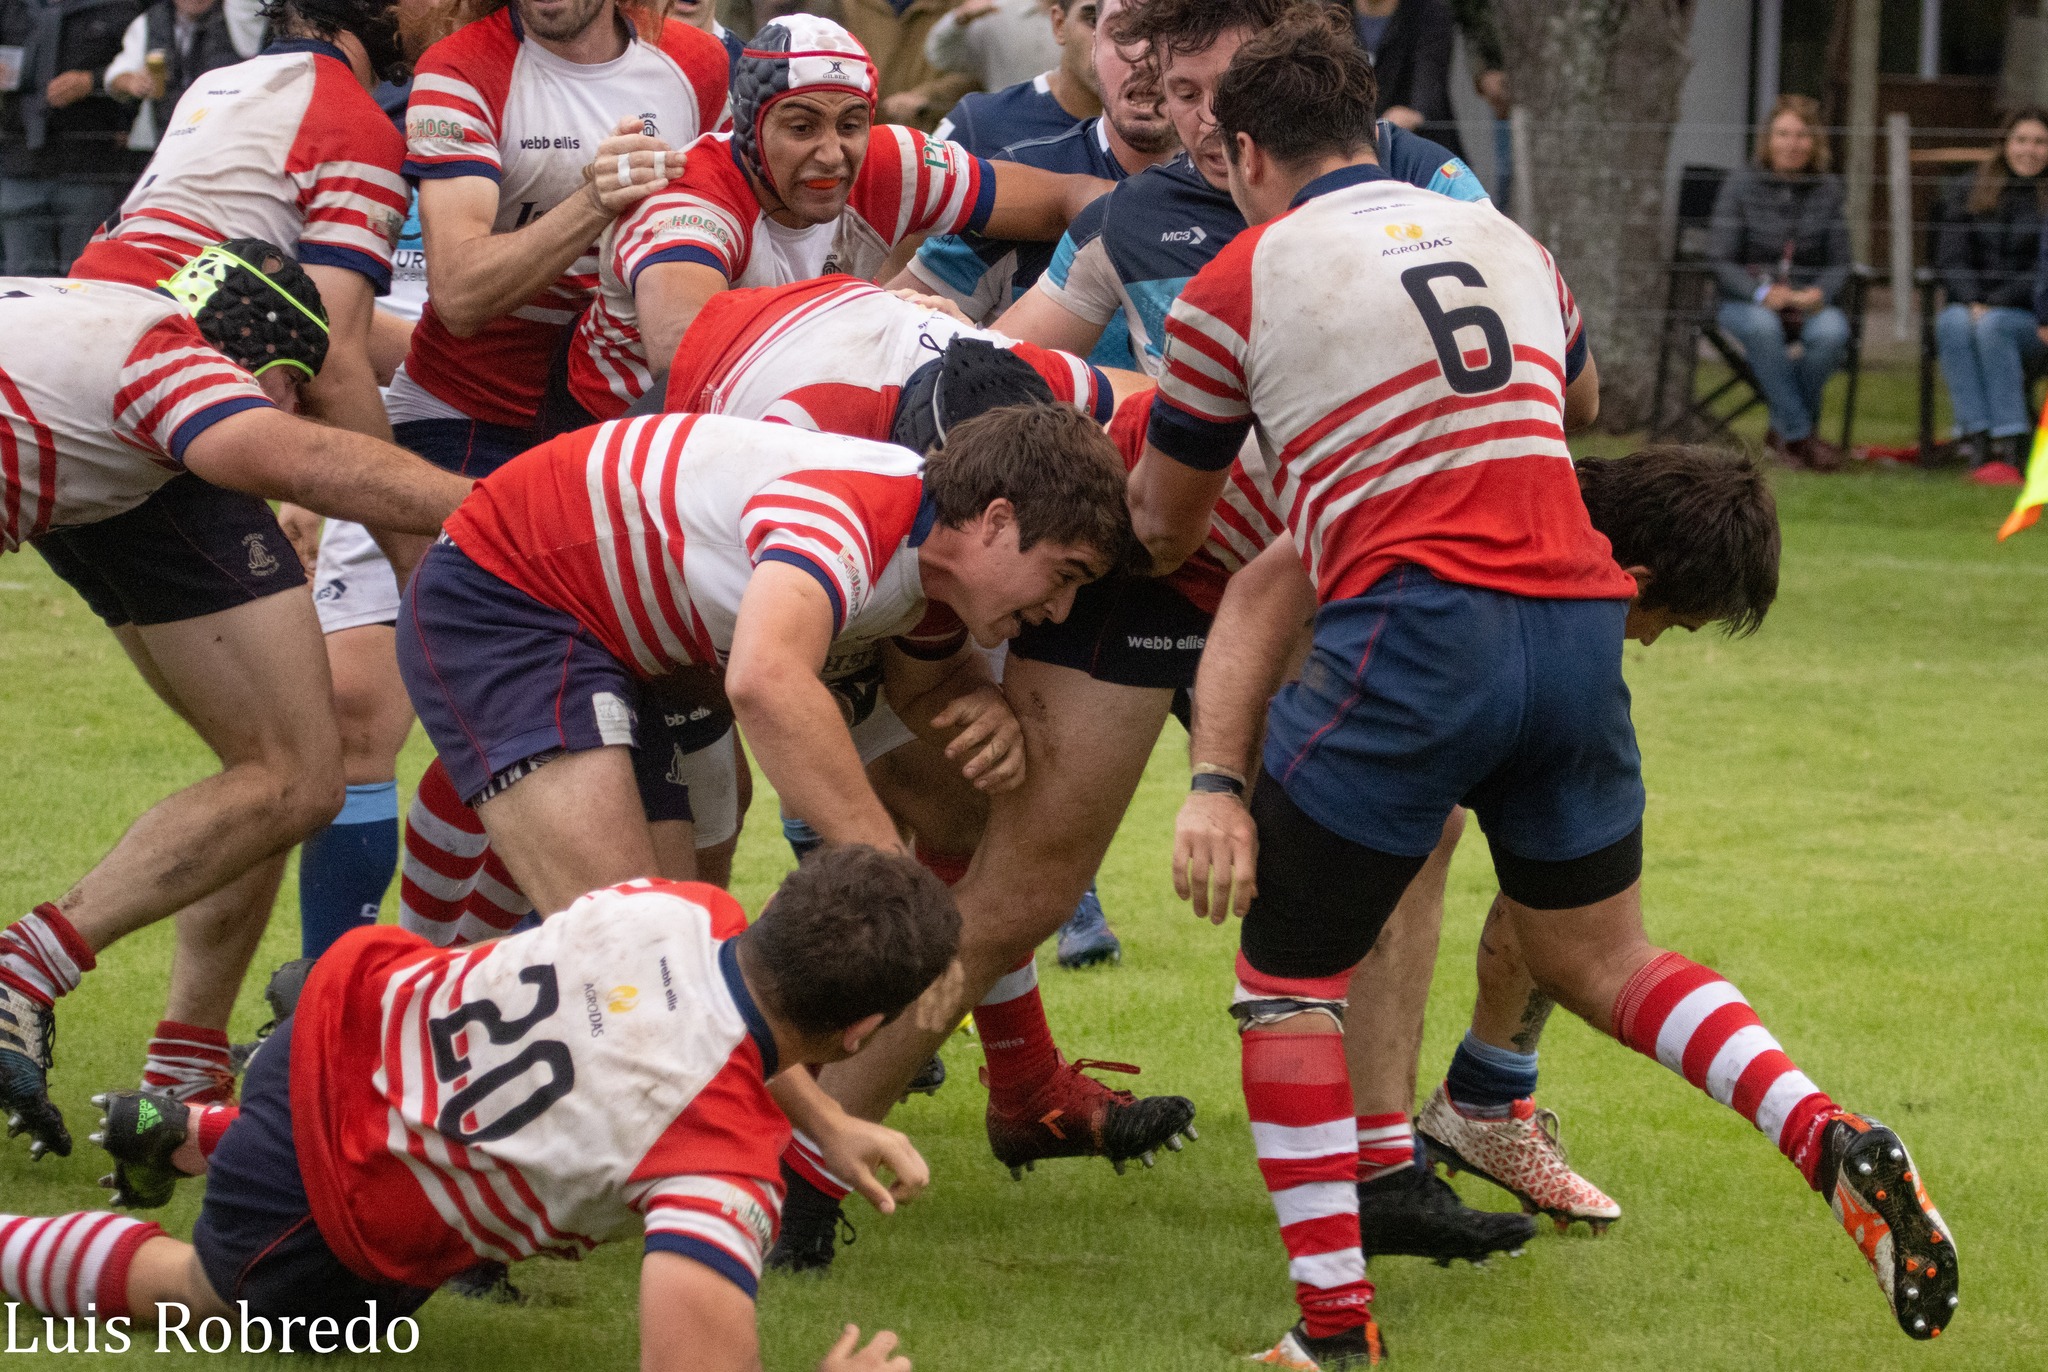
[[1845, 817]]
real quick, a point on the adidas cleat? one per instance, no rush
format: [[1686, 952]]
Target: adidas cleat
[[1520, 1154], [928, 1080], [1297, 1352], [1076, 1116], [811, 1228], [28, 1050], [1415, 1213], [1086, 938], [141, 1130], [1875, 1191]]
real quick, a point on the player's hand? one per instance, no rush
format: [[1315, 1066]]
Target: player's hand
[[857, 1151], [629, 167], [879, 1356], [936, 303], [990, 745], [302, 527], [1215, 855]]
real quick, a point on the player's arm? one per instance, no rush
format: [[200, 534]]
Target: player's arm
[[332, 472], [854, 1149], [693, 1319], [345, 392], [475, 275], [1582, 397], [1034, 205], [1037, 318], [1215, 843], [390, 339], [957, 704], [790, 718], [1171, 504], [667, 298], [1201, 413]]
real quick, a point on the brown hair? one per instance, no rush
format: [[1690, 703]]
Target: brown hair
[[1051, 462], [1300, 89], [1703, 520], [1806, 110], [852, 932], [646, 17], [1988, 185], [1191, 26]]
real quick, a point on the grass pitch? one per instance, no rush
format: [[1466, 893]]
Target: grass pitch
[[1845, 818]]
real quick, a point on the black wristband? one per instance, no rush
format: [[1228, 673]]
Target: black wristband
[[1216, 783]]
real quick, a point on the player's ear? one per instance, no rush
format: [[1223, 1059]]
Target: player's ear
[[999, 516], [858, 1033], [1643, 577]]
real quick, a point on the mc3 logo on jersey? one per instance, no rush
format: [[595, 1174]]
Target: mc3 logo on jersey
[[1193, 235], [1404, 231]]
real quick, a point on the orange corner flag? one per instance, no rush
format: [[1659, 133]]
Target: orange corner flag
[[2026, 511]]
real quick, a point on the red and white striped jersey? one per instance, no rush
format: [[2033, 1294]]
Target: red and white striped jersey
[[647, 530], [287, 147], [541, 1094], [909, 183], [832, 355], [487, 101], [1242, 525], [102, 386], [1401, 358]]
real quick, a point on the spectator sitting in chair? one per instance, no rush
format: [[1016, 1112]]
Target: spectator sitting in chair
[[1989, 241], [1779, 246]]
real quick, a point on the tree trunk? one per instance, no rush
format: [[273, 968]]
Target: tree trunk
[[1600, 81]]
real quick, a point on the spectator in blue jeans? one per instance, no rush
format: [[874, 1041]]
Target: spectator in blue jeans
[[1779, 247], [1985, 251]]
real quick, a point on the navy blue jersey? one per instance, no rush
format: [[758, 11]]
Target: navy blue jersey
[[734, 46], [985, 122], [983, 275], [1140, 244]]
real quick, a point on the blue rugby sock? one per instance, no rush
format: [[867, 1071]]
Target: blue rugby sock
[[345, 869], [803, 840], [1484, 1081]]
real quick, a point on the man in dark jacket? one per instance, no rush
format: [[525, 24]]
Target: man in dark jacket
[[1410, 42], [64, 159]]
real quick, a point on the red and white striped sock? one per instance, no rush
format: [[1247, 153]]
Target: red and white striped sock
[[42, 956], [803, 1158], [74, 1264], [1386, 1144], [1015, 1036], [453, 890], [1695, 1022], [190, 1063], [1297, 1091]]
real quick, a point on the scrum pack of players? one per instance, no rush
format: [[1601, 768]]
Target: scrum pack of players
[[1269, 433]]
